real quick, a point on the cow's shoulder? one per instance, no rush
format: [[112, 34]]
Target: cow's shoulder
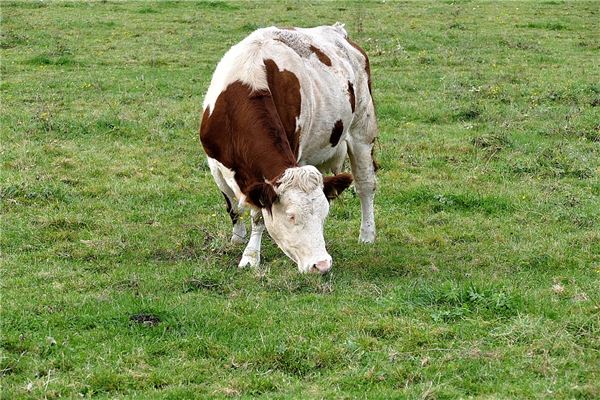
[[285, 89], [215, 127]]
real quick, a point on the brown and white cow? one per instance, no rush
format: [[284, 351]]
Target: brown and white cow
[[283, 106]]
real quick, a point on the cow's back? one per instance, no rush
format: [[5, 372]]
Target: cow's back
[[333, 77], [318, 78]]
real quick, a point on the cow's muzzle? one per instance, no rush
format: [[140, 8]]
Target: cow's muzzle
[[322, 267]]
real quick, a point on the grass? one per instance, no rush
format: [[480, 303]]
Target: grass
[[118, 280]]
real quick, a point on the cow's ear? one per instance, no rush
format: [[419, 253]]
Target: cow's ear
[[262, 195], [334, 185]]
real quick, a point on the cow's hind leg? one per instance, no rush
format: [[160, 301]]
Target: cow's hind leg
[[363, 169], [251, 256]]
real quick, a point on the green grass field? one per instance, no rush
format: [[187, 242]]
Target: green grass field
[[118, 280]]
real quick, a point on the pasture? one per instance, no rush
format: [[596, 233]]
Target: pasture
[[117, 277]]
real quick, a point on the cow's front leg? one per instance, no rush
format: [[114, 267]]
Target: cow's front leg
[[363, 169], [251, 256]]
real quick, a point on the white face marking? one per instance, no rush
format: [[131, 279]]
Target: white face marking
[[296, 225]]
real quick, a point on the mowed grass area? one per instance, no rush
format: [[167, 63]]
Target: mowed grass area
[[118, 280]]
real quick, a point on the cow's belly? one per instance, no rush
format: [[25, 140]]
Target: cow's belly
[[327, 160], [323, 156]]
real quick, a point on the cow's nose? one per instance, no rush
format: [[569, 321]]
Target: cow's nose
[[322, 266]]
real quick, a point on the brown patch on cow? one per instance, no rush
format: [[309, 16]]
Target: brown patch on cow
[[285, 90], [322, 56], [336, 132], [367, 64], [245, 134], [205, 117], [352, 96]]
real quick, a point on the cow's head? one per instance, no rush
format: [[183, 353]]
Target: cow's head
[[294, 209]]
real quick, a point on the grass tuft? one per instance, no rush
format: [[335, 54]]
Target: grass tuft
[[553, 26], [49, 60]]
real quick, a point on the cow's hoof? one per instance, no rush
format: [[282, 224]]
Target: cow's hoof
[[367, 237], [237, 239], [239, 233], [250, 260]]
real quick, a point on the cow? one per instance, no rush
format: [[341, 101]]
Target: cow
[[284, 106]]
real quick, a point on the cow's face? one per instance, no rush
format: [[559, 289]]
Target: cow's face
[[297, 212], [296, 224]]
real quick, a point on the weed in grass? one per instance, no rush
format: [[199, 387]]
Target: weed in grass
[[553, 26], [145, 319], [493, 142], [147, 10]]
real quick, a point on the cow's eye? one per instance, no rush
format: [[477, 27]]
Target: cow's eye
[[291, 217]]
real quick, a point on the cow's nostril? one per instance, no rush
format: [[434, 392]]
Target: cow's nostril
[[323, 266]]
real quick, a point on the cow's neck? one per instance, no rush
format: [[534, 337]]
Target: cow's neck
[[269, 153]]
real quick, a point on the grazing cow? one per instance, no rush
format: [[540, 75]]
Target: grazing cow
[[283, 106]]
